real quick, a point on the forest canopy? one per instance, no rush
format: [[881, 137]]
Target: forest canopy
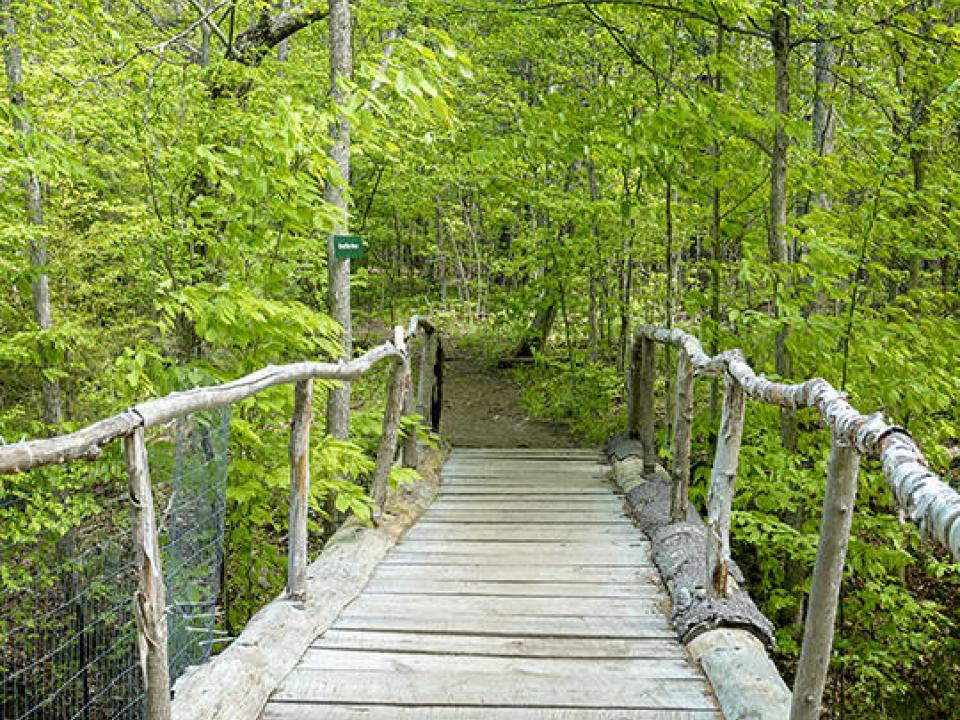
[[781, 176]]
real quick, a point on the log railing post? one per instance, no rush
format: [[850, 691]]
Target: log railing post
[[426, 377], [634, 383], [150, 601], [391, 425], [299, 490], [723, 479], [647, 419], [837, 516], [409, 451], [682, 423], [436, 387]]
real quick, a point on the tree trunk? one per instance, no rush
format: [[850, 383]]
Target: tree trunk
[[441, 254], [779, 250], [824, 121], [37, 246], [668, 302], [336, 194], [341, 66], [536, 335], [716, 251]]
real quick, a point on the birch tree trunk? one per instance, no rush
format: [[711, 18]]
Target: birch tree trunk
[[341, 68], [37, 245], [441, 253], [824, 121], [716, 251], [779, 249]]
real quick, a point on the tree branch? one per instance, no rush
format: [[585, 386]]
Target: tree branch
[[252, 45]]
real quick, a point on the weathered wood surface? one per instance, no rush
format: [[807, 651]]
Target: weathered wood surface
[[391, 427], [299, 489], [723, 633], [235, 685], [524, 613], [88, 443], [682, 427], [445, 712], [150, 600], [835, 523], [678, 550], [723, 478], [926, 499]]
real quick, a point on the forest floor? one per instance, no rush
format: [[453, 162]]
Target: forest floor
[[481, 407]]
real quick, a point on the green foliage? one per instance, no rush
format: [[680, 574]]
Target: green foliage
[[598, 165], [586, 396]]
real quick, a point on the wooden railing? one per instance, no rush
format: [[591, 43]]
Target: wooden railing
[[130, 427], [923, 496]]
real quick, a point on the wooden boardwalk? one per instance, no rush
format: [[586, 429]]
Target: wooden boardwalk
[[522, 593]]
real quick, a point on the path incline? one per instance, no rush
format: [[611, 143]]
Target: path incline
[[523, 593]]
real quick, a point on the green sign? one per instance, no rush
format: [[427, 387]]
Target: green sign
[[348, 246]]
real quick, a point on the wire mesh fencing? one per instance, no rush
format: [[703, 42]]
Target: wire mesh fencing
[[68, 638]]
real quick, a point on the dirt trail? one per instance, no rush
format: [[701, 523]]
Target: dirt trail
[[481, 408]]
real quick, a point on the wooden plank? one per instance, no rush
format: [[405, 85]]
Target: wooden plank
[[519, 560], [544, 532], [580, 688], [470, 645], [526, 453], [338, 711], [612, 503], [520, 574], [430, 586], [523, 625], [494, 469], [428, 664], [523, 594], [612, 552], [511, 515], [578, 480], [578, 477], [370, 604], [530, 490]]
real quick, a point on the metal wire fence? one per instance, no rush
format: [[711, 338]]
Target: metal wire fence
[[68, 640]]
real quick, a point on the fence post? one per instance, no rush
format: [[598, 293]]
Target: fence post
[[837, 516], [410, 458], [150, 601], [633, 388], [723, 479], [299, 490], [436, 388], [648, 437], [427, 376], [388, 439], [683, 420]]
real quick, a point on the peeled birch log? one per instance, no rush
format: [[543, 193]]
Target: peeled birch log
[[299, 489], [88, 442], [634, 384], [150, 601], [835, 525], [678, 551], [723, 477], [409, 408], [928, 501], [391, 426], [682, 425], [236, 683], [647, 427]]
